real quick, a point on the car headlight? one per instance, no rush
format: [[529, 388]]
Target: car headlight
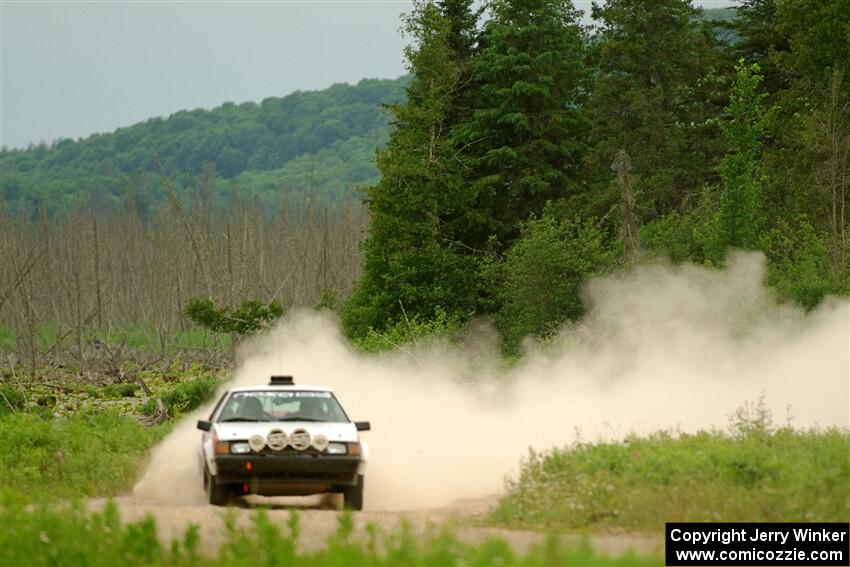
[[240, 448], [337, 449]]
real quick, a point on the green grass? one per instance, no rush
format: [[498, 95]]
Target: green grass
[[133, 336], [755, 472], [84, 454], [50, 535], [8, 339]]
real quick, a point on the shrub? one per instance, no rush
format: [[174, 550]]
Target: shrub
[[552, 255], [249, 316], [440, 326], [799, 266], [12, 399], [183, 397]]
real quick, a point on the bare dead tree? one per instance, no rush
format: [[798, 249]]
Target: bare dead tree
[[629, 225], [836, 125], [129, 271]]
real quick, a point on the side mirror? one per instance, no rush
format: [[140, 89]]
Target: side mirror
[[363, 425], [204, 425]]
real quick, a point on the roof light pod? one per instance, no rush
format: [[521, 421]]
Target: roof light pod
[[282, 381]]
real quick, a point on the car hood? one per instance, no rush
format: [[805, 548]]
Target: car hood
[[232, 431]]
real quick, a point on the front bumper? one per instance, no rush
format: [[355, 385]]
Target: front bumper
[[287, 472]]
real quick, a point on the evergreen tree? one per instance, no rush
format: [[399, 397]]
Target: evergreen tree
[[411, 268], [658, 84], [762, 41], [805, 47], [525, 138]]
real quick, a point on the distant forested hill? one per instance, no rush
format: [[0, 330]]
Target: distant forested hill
[[720, 19], [320, 143]]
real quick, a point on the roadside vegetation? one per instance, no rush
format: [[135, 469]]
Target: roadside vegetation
[[88, 453], [45, 535], [755, 471]]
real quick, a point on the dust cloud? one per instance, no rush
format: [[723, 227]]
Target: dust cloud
[[661, 348]]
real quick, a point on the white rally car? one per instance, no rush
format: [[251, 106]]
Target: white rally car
[[282, 440]]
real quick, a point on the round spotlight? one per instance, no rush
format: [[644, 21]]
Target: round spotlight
[[277, 440], [299, 439], [257, 442], [320, 442]]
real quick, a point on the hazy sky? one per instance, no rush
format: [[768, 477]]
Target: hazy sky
[[69, 69]]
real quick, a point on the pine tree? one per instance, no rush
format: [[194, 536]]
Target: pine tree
[[658, 84], [411, 268], [525, 136], [762, 41]]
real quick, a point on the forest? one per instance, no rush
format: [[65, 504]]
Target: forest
[[523, 148], [320, 143], [532, 154]]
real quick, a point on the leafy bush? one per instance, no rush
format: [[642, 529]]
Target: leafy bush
[[799, 265], [85, 454], [183, 397], [440, 326], [330, 300], [755, 472], [119, 390], [12, 399], [552, 255], [249, 316]]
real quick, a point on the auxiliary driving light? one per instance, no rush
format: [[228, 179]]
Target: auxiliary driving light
[[320, 442], [299, 439], [277, 440], [257, 442]]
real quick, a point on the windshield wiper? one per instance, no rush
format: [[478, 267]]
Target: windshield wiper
[[301, 419], [243, 419]]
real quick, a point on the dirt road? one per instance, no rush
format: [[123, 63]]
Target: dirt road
[[318, 520]]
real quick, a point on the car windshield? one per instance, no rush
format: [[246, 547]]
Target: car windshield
[[271, 405]]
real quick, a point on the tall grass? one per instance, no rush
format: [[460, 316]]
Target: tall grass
[[754, 472], [84, 454], [50, 535]]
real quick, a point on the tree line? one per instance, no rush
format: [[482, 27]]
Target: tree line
[[532, 152], [307, 142]]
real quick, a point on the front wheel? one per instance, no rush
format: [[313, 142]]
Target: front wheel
[[353, 495], [217, 494]]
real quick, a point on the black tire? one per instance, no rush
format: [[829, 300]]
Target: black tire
[[352, 496], [217, 494]]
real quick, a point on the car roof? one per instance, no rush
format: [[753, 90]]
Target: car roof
[[293, 388]]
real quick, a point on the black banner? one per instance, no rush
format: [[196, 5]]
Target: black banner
[[764, 544]]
